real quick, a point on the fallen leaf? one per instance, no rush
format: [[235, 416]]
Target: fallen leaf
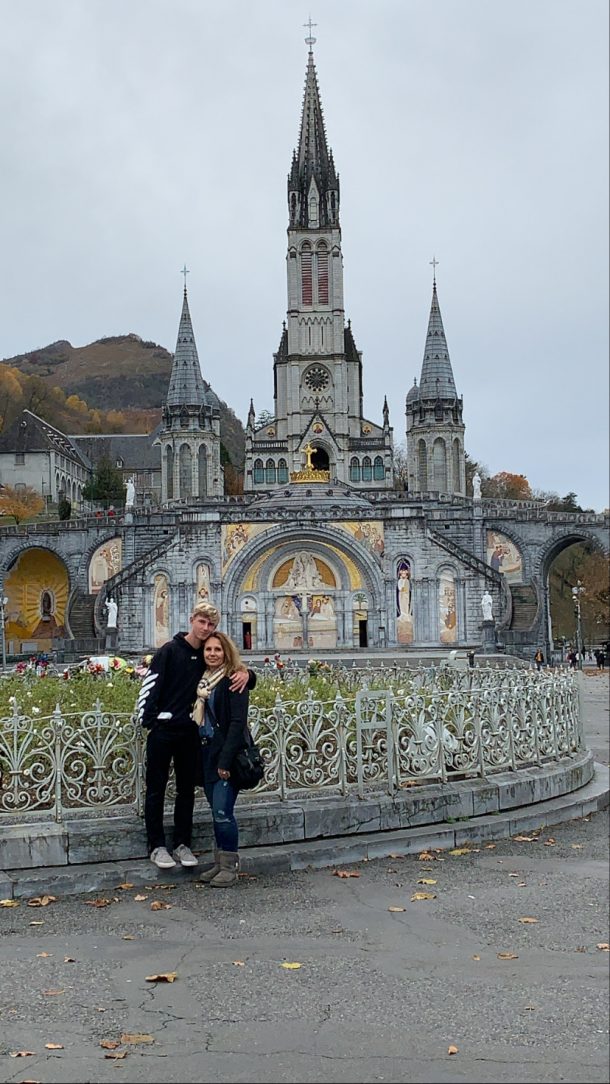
[[41, 901], [460, 850], [164, 976], [291, 967], [527, 921], [476, 957], [396, 908], [394, 856], [238, 963], [69, 960], [140, 898], [159, 905], [452, 1050], [490, 846], [126, 884], [37, 922], [426, 856], [423, 896], [521, 884], [513, 875], [426, 881], [128, 937], [345, 873], [603, 946], [507, 956], [9, 903], [44, 954], [110, 1044], [98, 903], [53, 1046], [117, 1055], [133, 1040], [530, 1008], [550, 842], [577, 846], [22, 1053], [52, 993], [525, 839]]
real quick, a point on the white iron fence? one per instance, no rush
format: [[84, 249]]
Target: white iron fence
[[441, 726]]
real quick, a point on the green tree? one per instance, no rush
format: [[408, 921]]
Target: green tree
[[106, 485]]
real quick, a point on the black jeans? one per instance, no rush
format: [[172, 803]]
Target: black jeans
[[180, 743]]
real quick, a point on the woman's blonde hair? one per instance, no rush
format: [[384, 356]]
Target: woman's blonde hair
[[232, 657]]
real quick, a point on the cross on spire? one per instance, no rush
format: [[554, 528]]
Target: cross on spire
[[185, 271], [310, 41], [434, 265]]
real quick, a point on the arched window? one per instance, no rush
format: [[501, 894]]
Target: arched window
[[354, 470], [186, 472], [306, 284], [367, 469], [259, 471], [202, 470], [270, 474], [439, 465], [322, 254], [456, 466], [282, 471], [169, 472], [422, 466], [378, 469]]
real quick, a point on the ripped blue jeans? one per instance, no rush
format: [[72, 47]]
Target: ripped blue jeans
[[221, 798]]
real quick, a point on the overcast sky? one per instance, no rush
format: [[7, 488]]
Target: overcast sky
[[136, 135]]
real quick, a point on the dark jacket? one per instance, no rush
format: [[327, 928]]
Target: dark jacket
[[170, 686], [231, 717]]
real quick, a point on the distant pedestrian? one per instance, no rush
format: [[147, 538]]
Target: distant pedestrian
[[539, 659]]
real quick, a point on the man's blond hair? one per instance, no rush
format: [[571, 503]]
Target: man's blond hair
[[205, 609]]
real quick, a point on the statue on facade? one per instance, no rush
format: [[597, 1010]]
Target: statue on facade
[[487, 606], [304, 573], [130, 495], [112, 621], [476, 486]]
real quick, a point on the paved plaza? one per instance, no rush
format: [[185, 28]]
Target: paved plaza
[[502, 964]]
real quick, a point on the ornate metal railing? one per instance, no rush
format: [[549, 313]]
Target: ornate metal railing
[[441, 726]]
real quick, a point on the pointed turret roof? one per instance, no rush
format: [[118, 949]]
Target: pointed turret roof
[[436, 379], [313, 160], [186, 386]]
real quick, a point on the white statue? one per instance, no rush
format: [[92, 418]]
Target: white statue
[[112, 612], [304, 573], [130, 496], [487, 606], [476, 486]]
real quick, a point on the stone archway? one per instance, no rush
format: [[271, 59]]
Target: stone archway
[[37, 588]]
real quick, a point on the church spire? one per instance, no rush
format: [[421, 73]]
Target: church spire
[[186, 387], [436, 373], [313, 184]]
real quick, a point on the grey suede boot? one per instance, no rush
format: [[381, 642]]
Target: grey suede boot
[[229, 869], [213, 870]]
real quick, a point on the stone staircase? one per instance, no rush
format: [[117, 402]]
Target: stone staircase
[[524, 605], [80, 616]]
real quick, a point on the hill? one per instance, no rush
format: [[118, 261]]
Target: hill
[[124, 370]]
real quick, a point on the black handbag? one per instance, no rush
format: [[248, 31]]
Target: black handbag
[[248, 767]]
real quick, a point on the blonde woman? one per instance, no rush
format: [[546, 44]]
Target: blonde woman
[[221, 715]]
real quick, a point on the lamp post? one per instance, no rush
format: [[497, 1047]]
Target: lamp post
[[3, 602], [576, 593]]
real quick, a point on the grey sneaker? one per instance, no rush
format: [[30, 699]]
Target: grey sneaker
[[185, 856], [162, 858]]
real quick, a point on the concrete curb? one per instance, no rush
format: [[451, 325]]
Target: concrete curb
[[318, 853]]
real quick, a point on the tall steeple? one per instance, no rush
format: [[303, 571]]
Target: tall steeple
[[317, 370], [313, 184], [190, 437], [436, 373], [435, 429], [186, 387]]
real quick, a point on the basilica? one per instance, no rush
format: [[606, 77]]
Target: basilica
[[322, 552]]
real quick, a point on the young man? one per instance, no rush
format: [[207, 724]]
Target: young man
[[164, 705]]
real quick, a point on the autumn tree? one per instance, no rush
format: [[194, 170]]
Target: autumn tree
[[506, 486], [401, 473], [20, 503], [106, 485]]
